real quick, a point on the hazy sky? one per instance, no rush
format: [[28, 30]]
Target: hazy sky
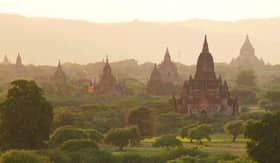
[[146, 10]]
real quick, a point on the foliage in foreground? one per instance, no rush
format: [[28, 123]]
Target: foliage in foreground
[[26, 117], [264, 146], [167, 141], [200, 132], [234, 128], [122, 137], [63, 134], [21, 156]]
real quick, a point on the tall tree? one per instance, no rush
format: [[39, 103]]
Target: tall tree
[[246, 78], [142, 118], [26, 117], [234, 128], [264, 145]]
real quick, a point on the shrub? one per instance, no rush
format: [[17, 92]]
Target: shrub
[[167, 141], [121, 137], [22, 156], [251, 115], [94, 135], [63, 117], [118, 137], [91, 156], [185, 159], [182, 151], [234, 128], [62, 134], [132, 157], [244, 109], [77, 144], [200, 132]]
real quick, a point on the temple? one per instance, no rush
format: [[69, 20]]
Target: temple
[[247, 58], [60, 80], [205, 92], [108, 84], [164, 77], [154, 83], [168, 69], [6, 60], [19, 61]]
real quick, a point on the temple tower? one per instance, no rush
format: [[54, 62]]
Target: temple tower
[[247, 58], [168, 69], [19, 60], [60, 80]]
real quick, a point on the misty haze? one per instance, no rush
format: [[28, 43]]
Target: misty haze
[[139, 81]]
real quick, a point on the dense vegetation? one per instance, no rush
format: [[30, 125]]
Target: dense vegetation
[[81, 127]]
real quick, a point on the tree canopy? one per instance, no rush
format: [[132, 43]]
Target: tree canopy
[[264, 145], [234, 128], [26, 117], [142, 118]]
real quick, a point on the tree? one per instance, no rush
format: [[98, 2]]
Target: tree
[[264, 145], [167, 141], [271, 100], [26, 117], [246, 78], [62, 134], [200, 132], [134, 135], [143, 118], [121, 137], [183, 132], [264, 103], [234, 128], [63, 117]]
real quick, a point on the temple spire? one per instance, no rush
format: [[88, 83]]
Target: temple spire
[[107, 60], [167, 57], [19, 60], [59, 64], [205, 45]]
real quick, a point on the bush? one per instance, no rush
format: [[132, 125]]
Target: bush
[[200, 132], [185, 159], [22, 156], [94, 135], [133, 158], [122, 137], [234, 128], [244, 109], [77, 144], [63, 117], [167, 141], [251, 115], [62, 134], [182, 151], [238, 160]]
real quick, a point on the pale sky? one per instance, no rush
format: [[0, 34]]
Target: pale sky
[[144, 10]]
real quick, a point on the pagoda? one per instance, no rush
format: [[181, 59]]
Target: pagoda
[[108, 84], [168, 69], [205, 92], [60, 80], [247, 58]]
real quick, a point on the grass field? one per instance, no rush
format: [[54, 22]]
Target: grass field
[[221, 143]]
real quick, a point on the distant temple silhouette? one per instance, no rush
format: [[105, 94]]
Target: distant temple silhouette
[[60, 80], [168, 70], [108, 84], [247, 58], [205, 92], [19, 61], [163, 76]]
